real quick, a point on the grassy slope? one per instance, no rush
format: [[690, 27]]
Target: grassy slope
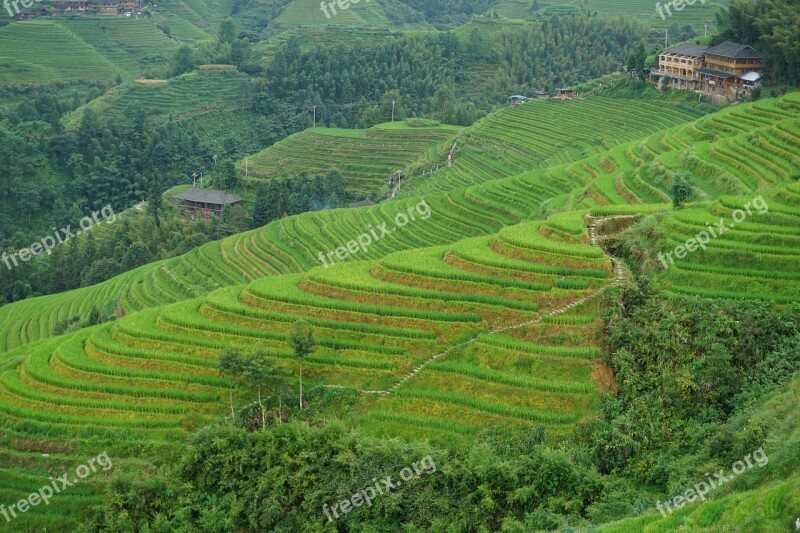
[[184, 97], [511, 314], [49, 50], [365, 157], [292, 244], [541, 134], [41, 51], [643, 10]]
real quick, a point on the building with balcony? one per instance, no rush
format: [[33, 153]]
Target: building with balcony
[[725, 69], [681, 65]]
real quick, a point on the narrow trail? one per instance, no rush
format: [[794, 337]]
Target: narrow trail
[[620, 275]]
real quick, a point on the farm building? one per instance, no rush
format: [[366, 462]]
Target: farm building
[[751, 80], [721, 69], [30, 14], [565, 94], [205, 201], [99, 7], [517, 99], [681, 64]]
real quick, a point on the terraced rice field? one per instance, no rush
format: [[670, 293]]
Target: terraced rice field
[[92, 48], [364, 157], [643, 10], [42, 51], [187, 96], [128, 43], [308, 13], [494, 311], [483, 314], [758, 258], [542, 134], [629, 178]]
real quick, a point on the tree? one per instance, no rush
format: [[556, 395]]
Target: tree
[[260, 207], [22, 289], [138, 254], [475, 43], [227, 31], [231, 364], [641, 57], [257, 372], [183, 61], [302, 342], [227, 174], [154, 201], [681, 190], [280, 383]]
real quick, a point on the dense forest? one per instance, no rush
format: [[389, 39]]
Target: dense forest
[[430, 75], [772, 26]]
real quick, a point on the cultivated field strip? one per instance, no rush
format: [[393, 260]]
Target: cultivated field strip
[[545, 133], [364, 157]]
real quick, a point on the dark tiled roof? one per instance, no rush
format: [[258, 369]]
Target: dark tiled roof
[[734, 50], [692, 50], [208, 196], [716, 73]]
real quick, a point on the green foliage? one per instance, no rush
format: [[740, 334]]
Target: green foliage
[[770, 26], [681, 190], [422, 123], [225, 481]]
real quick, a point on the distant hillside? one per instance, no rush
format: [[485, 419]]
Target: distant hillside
[[179, 98], [541, 134], [365, 157], [48, 50], [642, 10]]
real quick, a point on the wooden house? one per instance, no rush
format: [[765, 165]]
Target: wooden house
[[205, 202]]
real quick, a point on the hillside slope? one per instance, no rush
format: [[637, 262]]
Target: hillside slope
[[364, 157], [510, 313], [293, 244]]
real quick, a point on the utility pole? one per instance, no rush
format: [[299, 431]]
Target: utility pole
[[393, 103], [706, 27], [315, 116], [245, 168], [194, 179], [666, 38]]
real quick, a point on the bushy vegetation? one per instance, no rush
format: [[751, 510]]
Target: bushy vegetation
[[772, 28]]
